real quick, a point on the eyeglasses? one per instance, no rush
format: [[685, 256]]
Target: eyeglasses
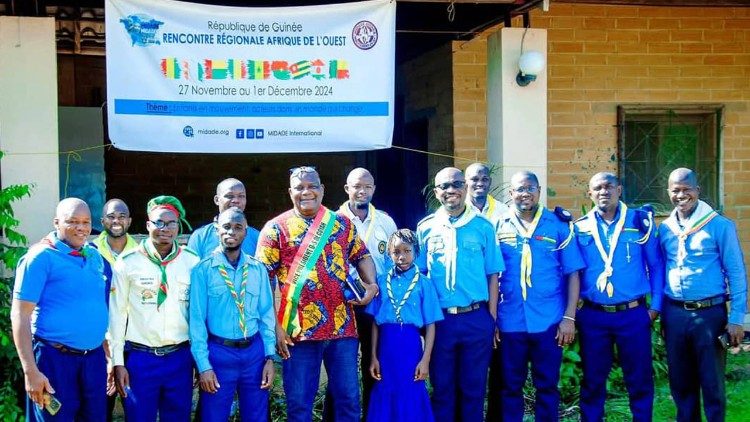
[[456, 184], [296, 171], [524, 189], [159, 224]]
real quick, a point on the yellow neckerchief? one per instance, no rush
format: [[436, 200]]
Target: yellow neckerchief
[[451, 239], [603, 282], [489, 205], [701, 216], [370, 213], [526, 261]]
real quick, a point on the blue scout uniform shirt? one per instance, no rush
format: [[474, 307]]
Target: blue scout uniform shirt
[[546, 298], [633, 262], [213, 310], [477, 257], [205, 240], [68, 290], [421, 307], [714, 261]]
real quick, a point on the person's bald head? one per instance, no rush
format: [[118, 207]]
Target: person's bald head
[[604, 191], [230, 193], [72, 222], [232, 228], [450, 190], [524, 191], [360, 186], [116, 217], [478, 181], [683, 191], [685, 176]]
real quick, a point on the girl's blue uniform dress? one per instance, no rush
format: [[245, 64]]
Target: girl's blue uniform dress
[[397, 397]]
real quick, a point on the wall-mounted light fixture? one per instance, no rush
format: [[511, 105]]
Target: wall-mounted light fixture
[[530, 64]]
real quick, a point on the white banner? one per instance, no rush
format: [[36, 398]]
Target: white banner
[[186, 77]]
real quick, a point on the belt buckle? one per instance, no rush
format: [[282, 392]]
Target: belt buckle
[[692, 306], [609, 308], [453, 310], [158, 351]]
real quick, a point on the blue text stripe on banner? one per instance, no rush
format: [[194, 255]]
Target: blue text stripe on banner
[[235, 109]]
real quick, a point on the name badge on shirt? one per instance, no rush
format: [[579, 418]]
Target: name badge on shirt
[[184, 293], [146, 281], [435, 244]]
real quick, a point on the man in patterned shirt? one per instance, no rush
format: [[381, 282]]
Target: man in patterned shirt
[[309, 249]]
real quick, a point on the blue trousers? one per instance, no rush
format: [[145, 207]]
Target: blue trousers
[[238, 370], [541, 351], [301, 374], [159, 384], [600, 332], [459, 364], [696, 360], [80, 383]]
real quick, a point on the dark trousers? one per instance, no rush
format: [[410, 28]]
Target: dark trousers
[[545, 356], [696, 360], [600, 332], [458, 367], [238, 370], [364, 332], [159, 384], [80, 383], [494, 400]]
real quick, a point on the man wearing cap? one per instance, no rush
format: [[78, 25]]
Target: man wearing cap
[[463, 261], [232, 326], [59, 317], [374, 227], [149, 319], [229, 193], [704, 262], [309, 249], [623, 265], [539, 291]]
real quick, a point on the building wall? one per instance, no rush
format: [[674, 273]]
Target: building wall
[[604, 56]]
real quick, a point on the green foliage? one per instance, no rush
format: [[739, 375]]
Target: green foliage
[[12, 247]]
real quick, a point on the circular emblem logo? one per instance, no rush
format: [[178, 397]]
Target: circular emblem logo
[[646, 223], [365, 35], [381, 247]]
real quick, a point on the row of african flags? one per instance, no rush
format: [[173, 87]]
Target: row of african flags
[[173, 68]]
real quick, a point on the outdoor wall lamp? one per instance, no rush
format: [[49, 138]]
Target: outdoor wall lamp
[[530, 64]]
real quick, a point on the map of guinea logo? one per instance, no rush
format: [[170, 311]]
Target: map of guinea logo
[[365, 35], [142, 29]]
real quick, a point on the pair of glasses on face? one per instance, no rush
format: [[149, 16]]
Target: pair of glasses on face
[[161, 225], [456, 184], [526, 189], [296, 171]]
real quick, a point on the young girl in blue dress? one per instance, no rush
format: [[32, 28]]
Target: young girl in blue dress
[[408, 302]]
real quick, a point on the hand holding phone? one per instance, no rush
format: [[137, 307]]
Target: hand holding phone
[[51, 404]]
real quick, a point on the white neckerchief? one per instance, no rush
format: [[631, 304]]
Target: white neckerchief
[[700, 217], [450, 236], [603, 282]]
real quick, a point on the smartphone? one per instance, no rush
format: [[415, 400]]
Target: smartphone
[[724, 340], [51, 404]]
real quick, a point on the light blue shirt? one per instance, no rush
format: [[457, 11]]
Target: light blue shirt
[[546, 297], [205, 240], [421, 307], [213, 310], [69, 293], [638, 269], [477, 258], [714, 263]]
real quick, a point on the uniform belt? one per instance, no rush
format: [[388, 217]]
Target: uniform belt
[[455, 310], [65, 349], [240, 343], [158, 351], [617, 307], [694, 305]]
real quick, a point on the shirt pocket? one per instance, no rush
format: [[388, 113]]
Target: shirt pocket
[[216, 289], [473, 251]]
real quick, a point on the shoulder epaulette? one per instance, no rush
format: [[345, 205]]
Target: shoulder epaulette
[[563, 215], [429, 217], [582, 218]]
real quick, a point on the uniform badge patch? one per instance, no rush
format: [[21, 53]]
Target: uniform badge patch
[[381, 247]]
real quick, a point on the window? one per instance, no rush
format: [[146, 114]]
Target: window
[[654, 140]]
